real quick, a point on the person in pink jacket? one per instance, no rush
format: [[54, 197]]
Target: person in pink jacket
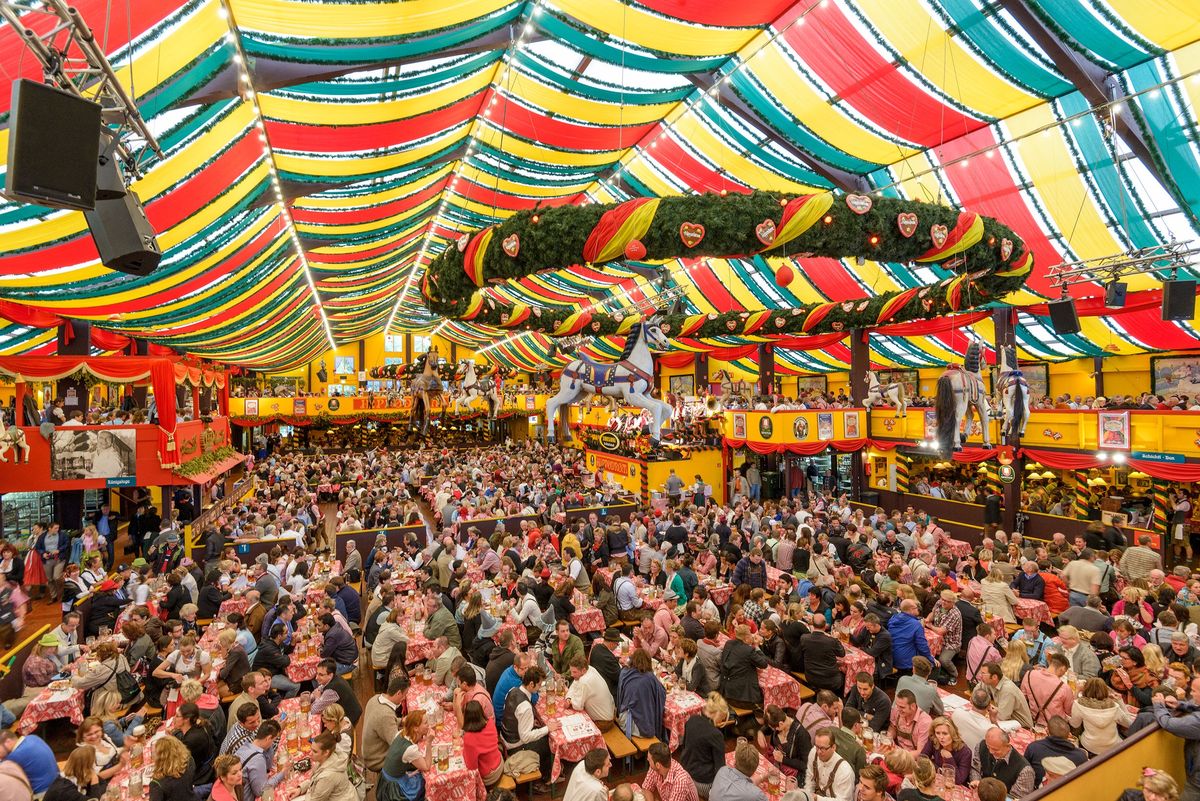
[[1048, 695]]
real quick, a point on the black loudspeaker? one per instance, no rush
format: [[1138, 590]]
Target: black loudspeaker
[[53, 145], [1179, 300], [1114, 294], [123, 235], [1063, 317], [110, 183]]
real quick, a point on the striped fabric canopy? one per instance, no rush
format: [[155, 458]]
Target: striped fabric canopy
[[319, 153]]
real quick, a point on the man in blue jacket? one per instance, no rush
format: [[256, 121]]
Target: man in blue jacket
[[908, 636], [1182, 718], [1029, 582]]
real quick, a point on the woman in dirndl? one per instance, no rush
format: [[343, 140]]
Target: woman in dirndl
[[407, 760]]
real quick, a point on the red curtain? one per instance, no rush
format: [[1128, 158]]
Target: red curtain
[[27, 315], [888, 444], [676, 360], [1062, 460], [975, 455], [108, 340], [118, 369], [802, 448], [1165, 470], [160, 350], [941, 325]]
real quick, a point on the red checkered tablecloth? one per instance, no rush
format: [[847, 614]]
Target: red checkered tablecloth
[[854, 662], [779, 688], [587, 619], [681, 705], [50, 705], [237, 604], [960, 548], [935, 641], [304, 663], [564, 746], [763, 774]]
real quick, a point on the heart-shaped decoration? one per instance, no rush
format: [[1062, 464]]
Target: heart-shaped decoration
[[511, 245], [462, 242], [503, 318], [924, 291], [927, 304], [618, 316], [635, 250], [848, 306], [744, 315], [712, 315], [665, 328], [838, 325], [765, 231], [797, 312], [1006, 249], [537, 312], [907, 221], [596, 326], [691, 233], [862, 307], [491, 304], [939, 234], [731, 325], [859, 204], [780, 322]]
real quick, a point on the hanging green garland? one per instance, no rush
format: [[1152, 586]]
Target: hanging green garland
[[988, 259]]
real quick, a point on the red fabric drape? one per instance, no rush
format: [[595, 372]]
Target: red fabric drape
[[1165, 470], [676, 360], [941, 325], [1062, 460], [118, 369], [108, 340], [802, 448], [888, 444], [1094, 306], [1188, 471], [975, 455], [28, 315], [154, 349]]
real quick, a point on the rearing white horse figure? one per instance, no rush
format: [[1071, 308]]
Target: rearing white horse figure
[[1014, 394], [474, 387], [630, 378], [960, 389], [877, 393]]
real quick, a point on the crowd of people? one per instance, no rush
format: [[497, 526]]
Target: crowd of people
[[1060, 648]]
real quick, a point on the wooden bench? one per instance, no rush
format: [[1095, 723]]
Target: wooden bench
[[509, 783], [618, 744], [642, 744]]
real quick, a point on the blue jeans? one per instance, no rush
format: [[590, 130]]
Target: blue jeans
[[7, 718], [286, 686], [115, 733], [755, 491], [342, 668], [1077, 598]]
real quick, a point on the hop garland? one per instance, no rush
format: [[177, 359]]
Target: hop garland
[[989, 260]]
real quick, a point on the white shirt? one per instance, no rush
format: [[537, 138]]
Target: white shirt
[[972, 726], [583, 786], [842, 783], [591, 694], [526, 731]]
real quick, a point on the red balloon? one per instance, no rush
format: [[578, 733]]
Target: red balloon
[[635, 250], [784, 275]]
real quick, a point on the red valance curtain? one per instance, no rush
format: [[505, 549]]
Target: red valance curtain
[[108, 340], [941, 325], [28, 315], [802, 448], [1187, 471], [117, 369]]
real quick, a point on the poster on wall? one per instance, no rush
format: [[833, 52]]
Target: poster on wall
[[299, 406], [252, 407], [850, 424], [739, 425], [82, 454], [930, 424], [825, 426], [811, 383], [684, 385], [911, 379], [1114, 430]]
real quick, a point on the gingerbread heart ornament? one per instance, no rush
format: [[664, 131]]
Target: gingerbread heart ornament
[[907, 221], [939, 234], [1006, 249], [691, 233], [859, 204], [765, 231], [462, 242], [511, 245]]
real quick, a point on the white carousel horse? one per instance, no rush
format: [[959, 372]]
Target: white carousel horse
[[1014, 394], [426, 388], [630, 378], [13, 439], [877, 393], [729, 398], [958, 390], [475, 387]]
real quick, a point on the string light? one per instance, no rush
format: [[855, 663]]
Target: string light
[[241, 62]]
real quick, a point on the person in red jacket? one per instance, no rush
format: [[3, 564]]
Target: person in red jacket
[[1056, 593]]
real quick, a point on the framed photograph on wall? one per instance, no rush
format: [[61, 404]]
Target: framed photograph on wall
[[739, 425], [1114, 430], [850, 424], [1175, 375], [682, 385], [1037, 376], [911, 379], [825, 425], [817, 383]]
